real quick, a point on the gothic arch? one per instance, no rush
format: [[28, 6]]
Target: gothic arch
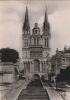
[[36, 65], [36, 76]]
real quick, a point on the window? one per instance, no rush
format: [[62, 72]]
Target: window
[[45, 42], [26, 42], [28, 66], [34, 41], [43, 67], [35, 31], [37, 41]]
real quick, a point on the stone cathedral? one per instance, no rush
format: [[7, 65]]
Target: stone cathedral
[[36, 47]]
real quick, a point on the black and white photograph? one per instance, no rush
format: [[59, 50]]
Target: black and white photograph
[[34, 49]]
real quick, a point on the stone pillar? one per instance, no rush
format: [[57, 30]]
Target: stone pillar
[[31, 67], [46, 67], [43, 66], [40, 66], [36, 41], [24, 67]]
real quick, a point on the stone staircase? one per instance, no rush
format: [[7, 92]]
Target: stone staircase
[[34, 93]]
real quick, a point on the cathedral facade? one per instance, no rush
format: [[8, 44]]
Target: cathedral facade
[[36, 47]]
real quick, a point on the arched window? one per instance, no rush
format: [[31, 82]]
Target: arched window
[[37, 41], [34, 41], [25, 42], [47, 42]]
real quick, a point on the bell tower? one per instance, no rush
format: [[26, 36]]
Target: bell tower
[[26, 30], [46, 36], [36, 30], [46, 32], [26, 35], [26, 25]]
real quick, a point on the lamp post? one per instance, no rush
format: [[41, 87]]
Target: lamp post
[[56, 81], [56, 84]]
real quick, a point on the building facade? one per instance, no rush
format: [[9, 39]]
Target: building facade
[[36, 47], [8, 72], [61, 60]]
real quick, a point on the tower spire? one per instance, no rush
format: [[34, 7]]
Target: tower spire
[[46, 25], [26, 25]]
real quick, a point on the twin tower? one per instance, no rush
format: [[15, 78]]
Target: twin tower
[[36, 47]]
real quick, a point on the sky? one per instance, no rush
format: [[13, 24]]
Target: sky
[[12, 15]]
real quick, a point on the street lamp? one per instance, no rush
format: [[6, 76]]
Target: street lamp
[[56, 84]]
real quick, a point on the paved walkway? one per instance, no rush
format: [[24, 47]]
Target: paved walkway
[[53, 94], [14, 91], [64, 92]]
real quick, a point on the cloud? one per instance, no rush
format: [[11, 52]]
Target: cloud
[[60, 28], [12, 18]]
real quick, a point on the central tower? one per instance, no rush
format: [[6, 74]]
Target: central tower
[[36, 47]]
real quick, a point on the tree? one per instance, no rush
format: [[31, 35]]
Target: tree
[[61, 76], [9, 55], [64, 75], [68, 73]]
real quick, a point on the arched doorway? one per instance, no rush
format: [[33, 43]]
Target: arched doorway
[[36, 76], [36, 65]]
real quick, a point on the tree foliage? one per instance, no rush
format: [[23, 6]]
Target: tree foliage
[[9, 55], [64, 75]]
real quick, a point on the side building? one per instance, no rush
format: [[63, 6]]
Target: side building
[[8, 72], [36, 47], [61, 60]]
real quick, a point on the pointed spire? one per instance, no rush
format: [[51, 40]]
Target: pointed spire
[[46, 17], [26, 25], [46, 25]]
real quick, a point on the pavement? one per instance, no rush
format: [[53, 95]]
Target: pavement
[[64, 92], [12, 92], [53, 94]]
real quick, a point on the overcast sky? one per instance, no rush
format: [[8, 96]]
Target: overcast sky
[[12, 18]]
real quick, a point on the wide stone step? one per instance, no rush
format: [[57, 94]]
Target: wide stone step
[[37, 94], [33, 92], [32, 97]]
